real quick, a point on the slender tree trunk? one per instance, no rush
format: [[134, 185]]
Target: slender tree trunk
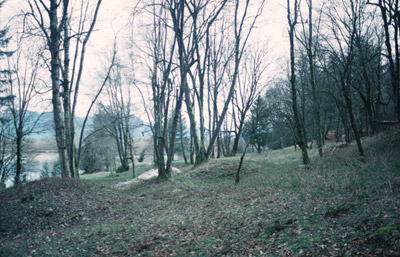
[[192, 120], [191, 150], [237, 136], [18, 171], [237, 179], [396, 19], [215, 121], [181, 138], [310, 54], [67, 104], [219, 146], [55, 36], [239, 45], [350, 112], [299, 128], [159, 143], [176, 116], [132, 156], [338, 134], [347, 130], [393, 68]]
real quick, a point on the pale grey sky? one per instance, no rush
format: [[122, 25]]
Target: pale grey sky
[[114, 15]]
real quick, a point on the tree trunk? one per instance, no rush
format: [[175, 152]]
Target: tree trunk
[[237, 179], [299, 128], [238, 134], [181, 138], [310, 54], [68, 120], [349, 106], [55, 36], [393, 67], [239, 45], [18, 171], [177, 114], [132, 156], [192, 120]]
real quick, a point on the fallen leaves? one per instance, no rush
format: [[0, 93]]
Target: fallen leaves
[[281, 213]]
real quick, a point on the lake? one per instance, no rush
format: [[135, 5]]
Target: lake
[[33, 167]]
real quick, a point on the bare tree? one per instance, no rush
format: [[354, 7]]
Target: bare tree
[[6, 147], [220, 56], [344, 33], [203, 14], [310, 43], [367, 66], [250, 86], [242, 31], [391, 19], [162, 45], [292, 22], [24, 85], [7, 150], [55, 23], [93, 102], [118, 114]]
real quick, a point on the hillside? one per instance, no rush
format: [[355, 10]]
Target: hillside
[[44, 128], [340, 206]]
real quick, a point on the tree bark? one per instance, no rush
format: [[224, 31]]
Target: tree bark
[[350, 112], [240, 43], [18, 171], [55, 37], [182, 138], [310, 54], [299, 128], [394, 67]]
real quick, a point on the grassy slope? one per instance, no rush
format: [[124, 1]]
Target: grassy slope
[[341, 206]]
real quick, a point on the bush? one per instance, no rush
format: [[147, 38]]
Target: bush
[[120, 169], [141, 156], [56, 169], [46, 171]]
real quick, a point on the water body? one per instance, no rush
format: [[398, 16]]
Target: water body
[[33, 167]]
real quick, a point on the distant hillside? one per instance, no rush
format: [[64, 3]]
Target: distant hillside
[[44, 129]]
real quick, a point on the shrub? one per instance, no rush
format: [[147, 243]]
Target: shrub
[[120, 169], [141, 156], [46, 170]]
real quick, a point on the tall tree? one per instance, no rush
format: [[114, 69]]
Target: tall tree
[[258, 128], [310, 44], [203, 14], [292, 22], [93, 102], [182, 140], [118, 114], [54, 21], [98, 150], [279, 109], [243, 26], [24, 85], [161, 50], [250, 86], [344, 28], [391, 23], [5, 157]]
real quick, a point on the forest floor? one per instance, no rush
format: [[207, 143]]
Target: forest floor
[[341, 205]]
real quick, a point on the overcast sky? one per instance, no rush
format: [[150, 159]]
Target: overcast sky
[[272, 25], [114, 15]]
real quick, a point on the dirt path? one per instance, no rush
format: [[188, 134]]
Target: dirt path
[[144, 176]]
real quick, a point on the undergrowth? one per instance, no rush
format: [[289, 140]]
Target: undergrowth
[[338, 206]]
